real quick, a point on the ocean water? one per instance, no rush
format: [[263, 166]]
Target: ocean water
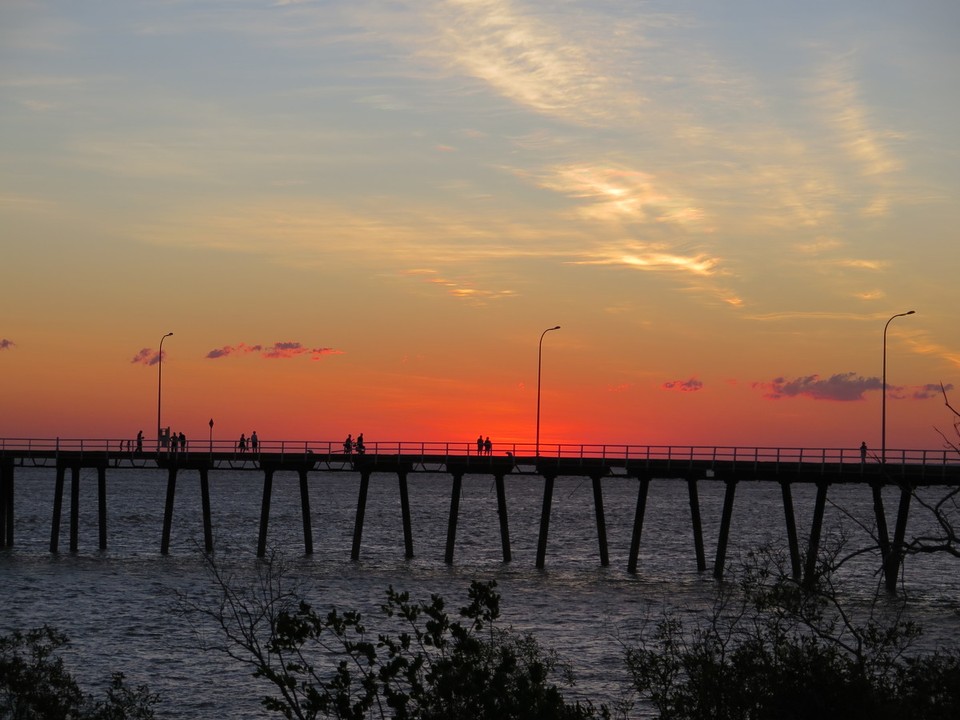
[[118, 605]]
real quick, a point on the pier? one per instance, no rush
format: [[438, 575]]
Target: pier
[[691, 465]]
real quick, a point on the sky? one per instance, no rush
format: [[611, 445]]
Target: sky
[[362, 216]]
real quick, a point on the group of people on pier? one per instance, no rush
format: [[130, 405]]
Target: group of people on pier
[[254, 442], [484, 447], [350, 445]]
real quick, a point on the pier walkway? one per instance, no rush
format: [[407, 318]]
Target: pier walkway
[[903, 469]]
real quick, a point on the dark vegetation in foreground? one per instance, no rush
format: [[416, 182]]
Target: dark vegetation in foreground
[[771, 648], [35, 684]]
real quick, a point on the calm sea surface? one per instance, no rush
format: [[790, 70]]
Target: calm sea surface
[[116, 605]]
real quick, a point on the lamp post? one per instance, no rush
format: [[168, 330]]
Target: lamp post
[[539, 362], [211, 436], [160, 384], [883, 402]]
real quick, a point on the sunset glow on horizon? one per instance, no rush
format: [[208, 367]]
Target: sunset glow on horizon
[[358, 216]]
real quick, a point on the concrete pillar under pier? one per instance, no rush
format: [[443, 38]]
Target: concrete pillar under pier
[[405, 511], [453, 517], [897, 549], [74, 507], [6, 503], [102, 504], [883, 537], [502, 513], [205, 503], [697, 525], [57, 509], [638, 524], [813, 549], [168, 508], [361, 509], [548, 481], [265, 511], [724, 529], [601, 520], [305, 512], [791, 522]]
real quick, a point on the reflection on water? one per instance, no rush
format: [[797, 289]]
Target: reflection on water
[[117, 605]]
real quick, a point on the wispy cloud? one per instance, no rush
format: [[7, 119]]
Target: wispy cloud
[[699, 271], [460, 289], [279, 350], [615, 194], [922, 345], [532, 61], [651, 256], [868, 148], [691, 385]]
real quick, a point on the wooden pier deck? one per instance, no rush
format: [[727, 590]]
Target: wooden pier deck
[[903, 469]]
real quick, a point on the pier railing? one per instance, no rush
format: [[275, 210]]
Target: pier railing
[[523, 452]]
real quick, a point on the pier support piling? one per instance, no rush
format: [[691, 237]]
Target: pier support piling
[[638, 524], [721, 559], [305, 512], [502, 513], [454, 515], [6, 503], [897, 549], [545, 520], [265, 511], [361, 510], [789, 518], [813, 549], [102, 504], [405, 511], [601, 521], [74, 508], [57, 509], [168, 508], [697, 524], [205, 506], [883, 536]]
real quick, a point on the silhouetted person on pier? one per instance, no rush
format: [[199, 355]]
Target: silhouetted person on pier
[[488, 446], [348, 445], [139, 442], [360, 448], [173, 442], [254, 441], [242, 444], [863, 452], [183, 442], [479, 444]]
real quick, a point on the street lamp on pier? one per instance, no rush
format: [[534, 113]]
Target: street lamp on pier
[[160, 385], [539, 363], [883, 402]]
